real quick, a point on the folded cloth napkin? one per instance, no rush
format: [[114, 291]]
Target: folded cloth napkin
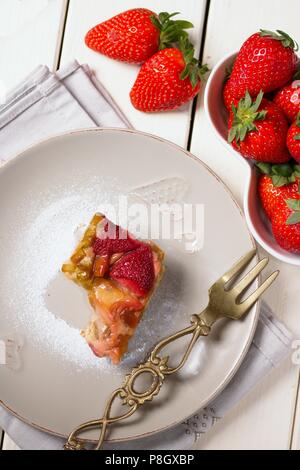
[[45, 104]]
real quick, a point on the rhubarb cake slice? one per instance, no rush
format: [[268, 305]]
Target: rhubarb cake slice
[[120, 274]]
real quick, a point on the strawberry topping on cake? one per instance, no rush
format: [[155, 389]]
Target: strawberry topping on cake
[[135, 271], [113, 239]]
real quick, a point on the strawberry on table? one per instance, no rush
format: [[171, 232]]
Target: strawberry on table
[[258, 129], [170, 78], [135, 35], [266, 61], [276, 184], [293, 139], [288, 98]]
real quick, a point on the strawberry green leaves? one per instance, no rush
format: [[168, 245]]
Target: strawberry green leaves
[[171, 31], [294, 205], [265, 168], [245, 115], [281, 36], [281, 174], [192, 69]]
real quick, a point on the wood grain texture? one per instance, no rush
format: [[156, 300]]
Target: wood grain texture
[[265, 418], [257, 421], [29, 39], [119, 77]]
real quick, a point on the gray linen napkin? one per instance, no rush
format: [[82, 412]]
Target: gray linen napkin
[[46, 104]]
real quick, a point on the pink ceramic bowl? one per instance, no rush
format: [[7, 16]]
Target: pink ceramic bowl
[[218, 117]]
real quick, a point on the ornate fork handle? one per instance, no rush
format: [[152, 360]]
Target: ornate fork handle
[[156, 366]]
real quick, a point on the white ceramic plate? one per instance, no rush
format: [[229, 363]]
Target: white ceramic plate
[[48, 191]]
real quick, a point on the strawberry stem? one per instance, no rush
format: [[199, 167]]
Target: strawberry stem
[[281, 174], [245, 115], [171, 31], [279, 35], [294, 205], [192, 69]]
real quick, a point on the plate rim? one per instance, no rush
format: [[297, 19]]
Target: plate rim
[[16, 157]]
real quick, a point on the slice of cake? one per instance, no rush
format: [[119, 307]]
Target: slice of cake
[[120, 273]]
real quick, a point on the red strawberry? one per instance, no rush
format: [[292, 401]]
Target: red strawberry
[[113, 239], [266, 61], [286, 225], [228, 96], [167, 80], [258, 130], [135, 270], [288, 100], [135, 35], [278, 183], [293, 139]]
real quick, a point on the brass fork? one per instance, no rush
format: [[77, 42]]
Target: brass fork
[[224, 301]]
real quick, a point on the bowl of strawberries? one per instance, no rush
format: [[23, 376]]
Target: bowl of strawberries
[[252, 100]]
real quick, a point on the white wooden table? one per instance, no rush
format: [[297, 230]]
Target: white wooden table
[[51, 32]]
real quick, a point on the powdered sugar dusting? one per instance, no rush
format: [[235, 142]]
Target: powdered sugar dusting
[[39, 249], [164, 191]]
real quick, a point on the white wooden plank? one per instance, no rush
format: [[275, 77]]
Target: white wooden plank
[[232, 21], [9, 444], [118, 77], [250, 425], [265, 418], [281, 400], [30, 34]]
